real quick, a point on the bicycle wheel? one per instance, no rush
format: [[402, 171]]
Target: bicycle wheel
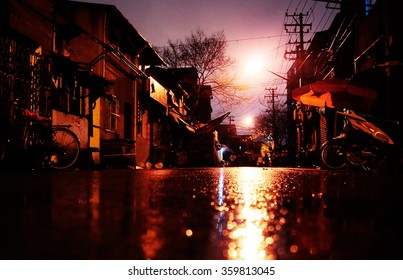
[[65, 148], [332, 155]]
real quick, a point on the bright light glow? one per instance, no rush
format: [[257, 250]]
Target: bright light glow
[[254, 65], [246, 229], [248, 121]]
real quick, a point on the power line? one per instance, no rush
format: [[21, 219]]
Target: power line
[[253, 38]]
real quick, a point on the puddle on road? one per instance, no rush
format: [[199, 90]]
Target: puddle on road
[[255, 211], [210, 213]]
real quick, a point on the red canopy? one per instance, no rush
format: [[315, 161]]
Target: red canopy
[[336, 93]]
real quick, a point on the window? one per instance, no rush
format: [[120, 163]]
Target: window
[[112, 112], [368, 5], [68, 96], [24, 74]]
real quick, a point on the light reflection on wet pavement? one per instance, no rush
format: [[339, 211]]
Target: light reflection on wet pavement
[[210, 213]]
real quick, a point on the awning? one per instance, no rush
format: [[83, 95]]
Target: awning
[[336, 93], [205, 128], [175, 115]]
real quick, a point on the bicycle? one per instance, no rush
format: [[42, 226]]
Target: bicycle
[[65, 147], [333, 154], [32, 141], [360, 144]]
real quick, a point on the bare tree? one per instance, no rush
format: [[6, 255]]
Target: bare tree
[[207, 55], [265, 125]]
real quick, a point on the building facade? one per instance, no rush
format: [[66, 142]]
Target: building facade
[[85, 65], [113, 49]]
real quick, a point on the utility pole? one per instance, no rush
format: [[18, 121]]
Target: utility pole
[[231, 119], [300, 28], [298, 54], [272, 96]]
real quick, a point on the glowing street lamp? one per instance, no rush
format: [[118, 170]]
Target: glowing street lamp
[[248, 121]]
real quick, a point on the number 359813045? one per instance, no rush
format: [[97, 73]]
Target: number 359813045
[[239, 270]]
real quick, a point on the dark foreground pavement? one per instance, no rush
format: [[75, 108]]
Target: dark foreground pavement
[[212, 213]]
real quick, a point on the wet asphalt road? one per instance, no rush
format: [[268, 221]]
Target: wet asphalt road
[[208, 213]]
